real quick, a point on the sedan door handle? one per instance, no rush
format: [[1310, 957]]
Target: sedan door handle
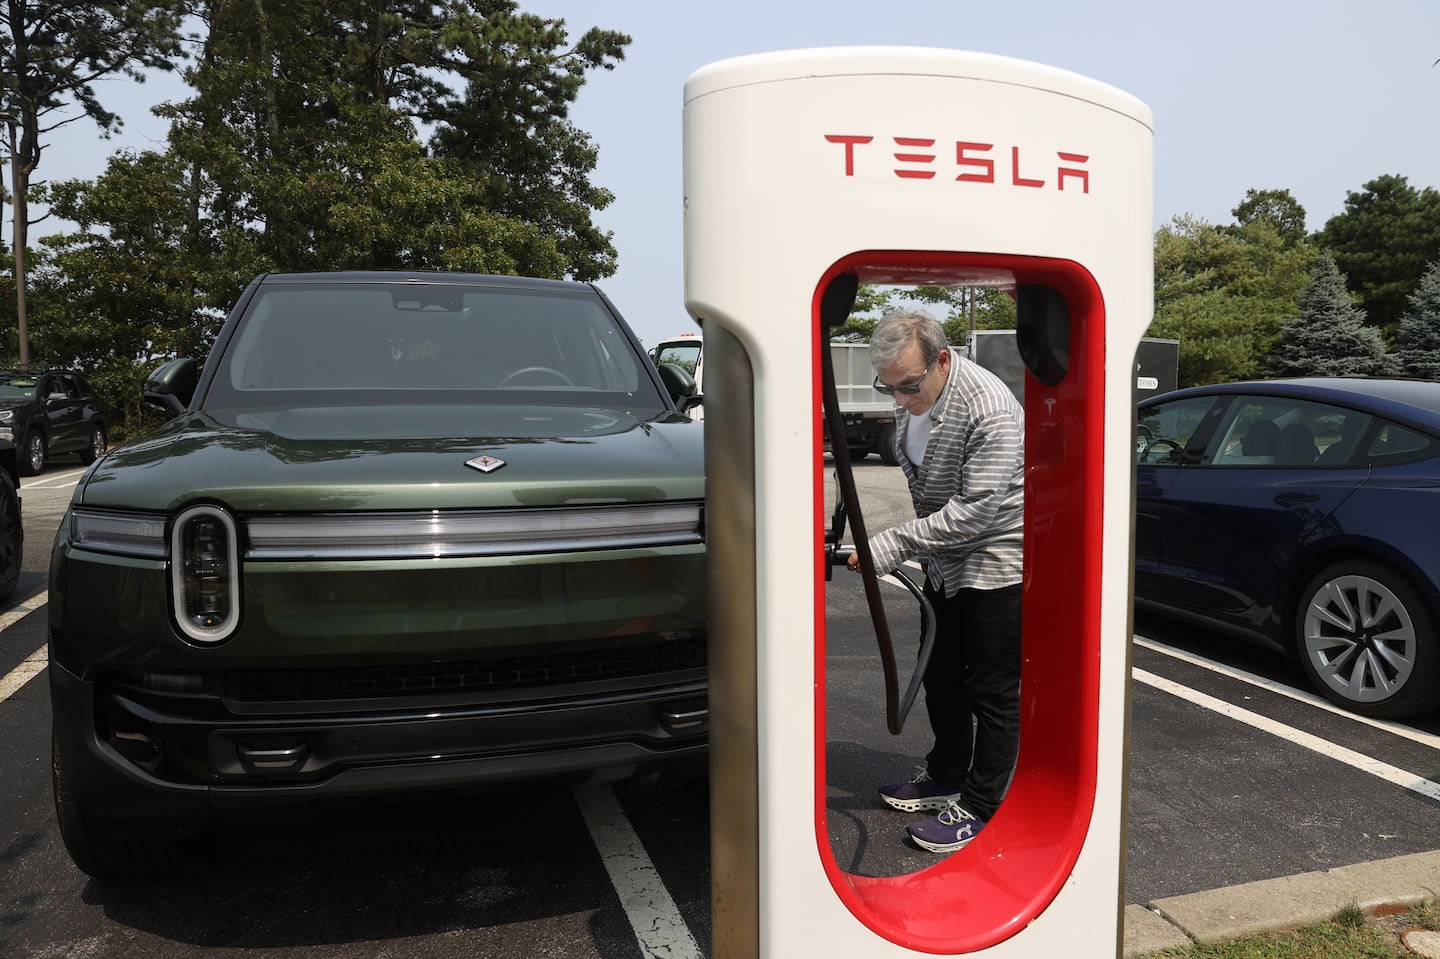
[[1296, 499]]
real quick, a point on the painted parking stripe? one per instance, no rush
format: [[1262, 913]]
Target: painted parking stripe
[[1383, 770], [1309, 699], [33, 666], [659, 928], [35, 663]]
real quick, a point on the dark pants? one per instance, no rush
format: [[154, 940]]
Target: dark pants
[[972, 693]]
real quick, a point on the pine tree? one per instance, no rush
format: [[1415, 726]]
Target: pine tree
[[1328, 336], [1418, 342]]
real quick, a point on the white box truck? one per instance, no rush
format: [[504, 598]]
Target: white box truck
[[869, 415]]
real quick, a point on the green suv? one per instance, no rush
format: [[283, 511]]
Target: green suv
[[406, 533]]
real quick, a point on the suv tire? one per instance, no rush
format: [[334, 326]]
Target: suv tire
[[12, 537], [32, 453], [93, 850], [96, 449]]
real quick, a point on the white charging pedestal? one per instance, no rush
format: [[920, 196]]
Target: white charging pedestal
[[916, 166]]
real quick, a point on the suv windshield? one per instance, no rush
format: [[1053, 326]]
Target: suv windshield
[[345, 344], [17, 386]]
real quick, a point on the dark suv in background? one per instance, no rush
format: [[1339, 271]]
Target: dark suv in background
[[47, 413]]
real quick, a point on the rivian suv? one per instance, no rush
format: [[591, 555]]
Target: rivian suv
[[405, 533]]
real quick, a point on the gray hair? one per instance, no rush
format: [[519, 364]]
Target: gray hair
[[897, 329]]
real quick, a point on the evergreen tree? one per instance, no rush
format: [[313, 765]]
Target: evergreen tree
[[1418, 343], [1382, 242], [1328, 336]]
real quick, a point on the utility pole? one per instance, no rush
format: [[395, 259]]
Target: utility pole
[[17, 209]]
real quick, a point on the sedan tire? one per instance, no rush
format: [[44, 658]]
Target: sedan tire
[[1367, 640]]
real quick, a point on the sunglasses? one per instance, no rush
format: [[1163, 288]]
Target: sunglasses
[[909, 389]]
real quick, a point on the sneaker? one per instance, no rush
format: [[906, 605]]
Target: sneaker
[[947, 832], [918, 794]]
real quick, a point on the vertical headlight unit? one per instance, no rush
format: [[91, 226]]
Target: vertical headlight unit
[[205, 573]]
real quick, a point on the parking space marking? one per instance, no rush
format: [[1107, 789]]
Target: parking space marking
[[33, 666], [56, 481], [1309, 699], [659, 928], [1368, 764], [35, 663]]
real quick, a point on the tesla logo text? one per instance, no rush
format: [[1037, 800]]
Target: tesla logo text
[[924, 158]]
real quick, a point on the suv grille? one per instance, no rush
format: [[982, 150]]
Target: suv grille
[[342, 683]]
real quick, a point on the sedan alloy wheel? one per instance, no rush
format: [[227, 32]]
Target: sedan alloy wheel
[[1366, 640]]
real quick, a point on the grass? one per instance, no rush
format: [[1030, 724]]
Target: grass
[[1352, 933]]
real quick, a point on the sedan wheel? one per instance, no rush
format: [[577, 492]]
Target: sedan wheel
[[1367, 640]]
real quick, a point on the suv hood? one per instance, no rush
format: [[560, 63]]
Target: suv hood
[[403, 457]]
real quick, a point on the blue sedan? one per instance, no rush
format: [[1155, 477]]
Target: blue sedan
[[1301, 514]]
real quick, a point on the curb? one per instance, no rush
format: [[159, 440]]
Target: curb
[[1275, 905]]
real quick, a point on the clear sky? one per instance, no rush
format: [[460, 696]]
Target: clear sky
[[1314, 96]]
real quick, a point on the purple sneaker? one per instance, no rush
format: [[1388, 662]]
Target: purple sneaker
[[918, 794], [947, 832]]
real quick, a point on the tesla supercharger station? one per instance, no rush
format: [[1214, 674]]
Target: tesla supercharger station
[[916, 166]]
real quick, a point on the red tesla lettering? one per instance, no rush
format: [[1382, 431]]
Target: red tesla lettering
[[974, 161], [1015, 176], [985, 164], [914, 158], [1065, 171], [849, 142]]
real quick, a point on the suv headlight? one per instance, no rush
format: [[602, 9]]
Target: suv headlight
[[205, 573]]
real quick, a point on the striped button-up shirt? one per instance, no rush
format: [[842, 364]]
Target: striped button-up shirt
[[969, 495]]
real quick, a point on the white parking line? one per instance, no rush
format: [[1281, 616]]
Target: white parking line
[[659, 928], [1309, 699], [53, 481], [33, 666], [1385, 771], [36, 662]]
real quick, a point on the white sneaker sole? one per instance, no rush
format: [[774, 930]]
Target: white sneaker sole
[[935, 803], [940, 846]]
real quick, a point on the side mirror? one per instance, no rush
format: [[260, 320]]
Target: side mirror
[[171, 386], [680, 385]]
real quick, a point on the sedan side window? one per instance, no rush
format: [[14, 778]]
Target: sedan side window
[[1393, 441], [1275, 431], [1166, 429]]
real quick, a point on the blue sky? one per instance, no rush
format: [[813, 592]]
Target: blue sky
[[1314, 96]]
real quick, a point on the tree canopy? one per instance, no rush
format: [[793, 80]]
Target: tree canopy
[[333, 135], [51, 55], [1383, 240], [436, 134], [1222, 291]]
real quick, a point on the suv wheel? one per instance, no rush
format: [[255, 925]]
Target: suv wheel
[[12, 537], [93, 850], [96, 449], [32, 453]]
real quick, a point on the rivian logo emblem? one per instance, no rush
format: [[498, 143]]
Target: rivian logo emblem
[[485, 463]]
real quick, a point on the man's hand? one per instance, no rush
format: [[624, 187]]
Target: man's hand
[[852, 562]]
